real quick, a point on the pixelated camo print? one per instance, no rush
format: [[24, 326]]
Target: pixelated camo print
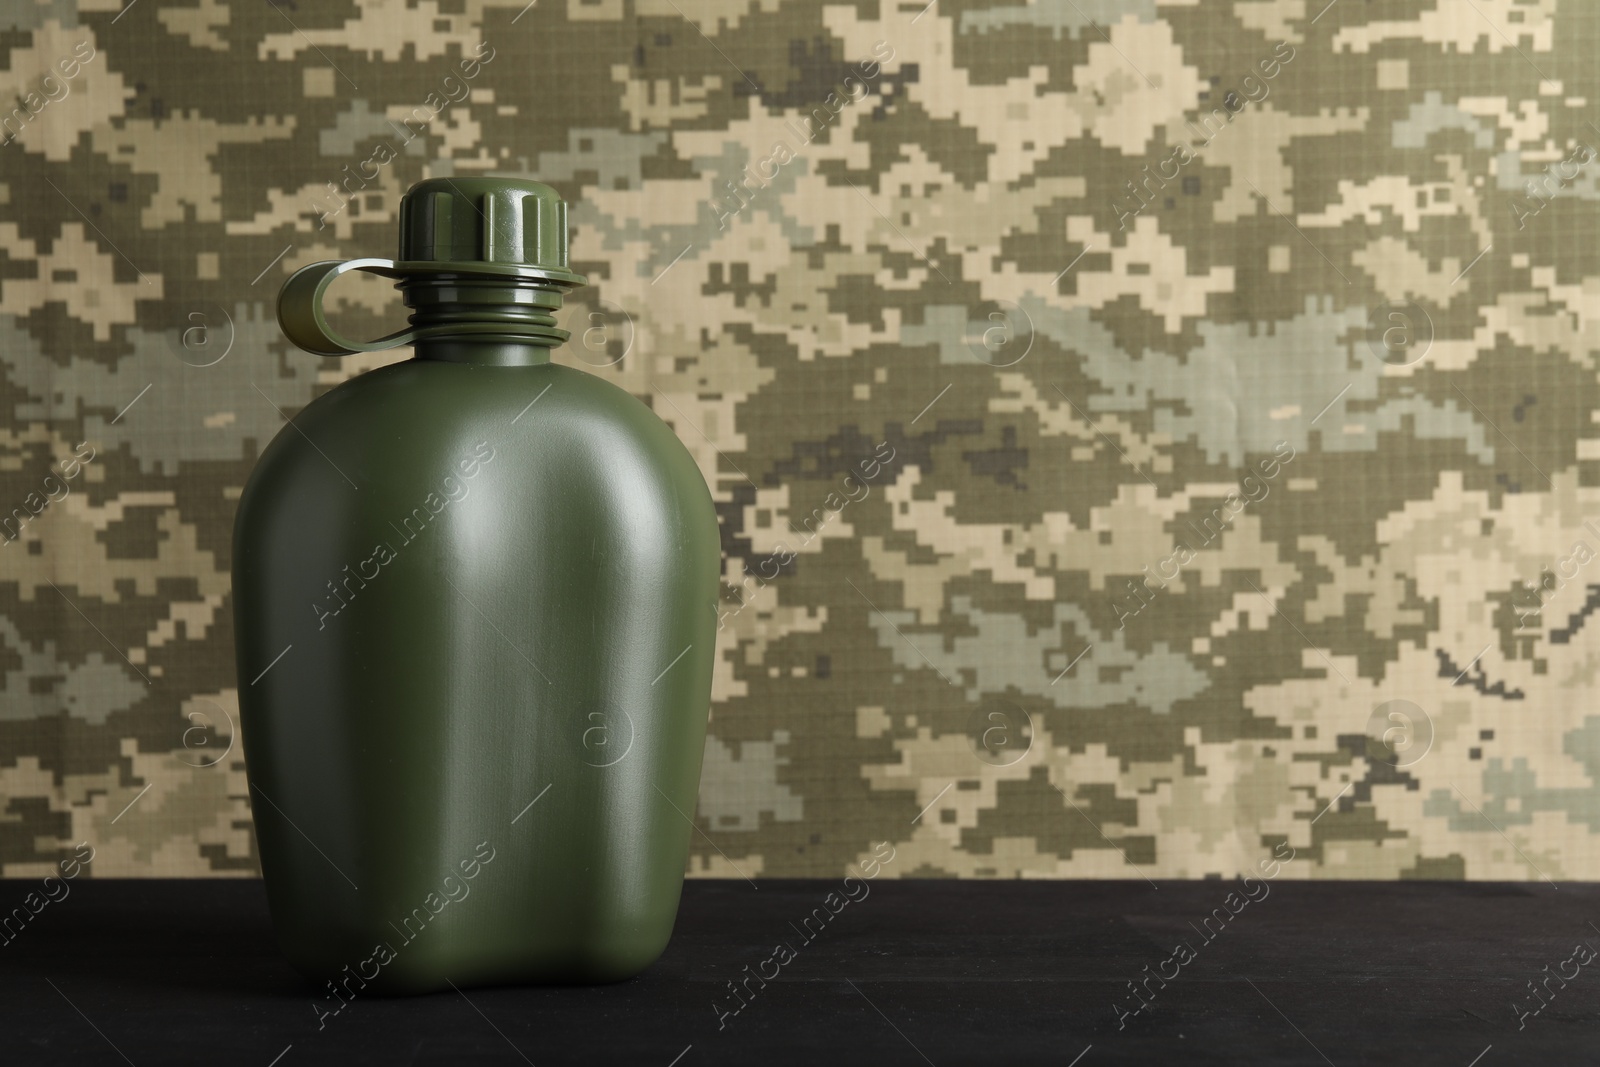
[[1143, 433]]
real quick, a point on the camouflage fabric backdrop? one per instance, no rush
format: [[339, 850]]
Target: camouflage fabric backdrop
[[1146, 435]]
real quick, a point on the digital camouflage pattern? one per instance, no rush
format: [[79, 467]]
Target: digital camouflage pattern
[[1143, 433]]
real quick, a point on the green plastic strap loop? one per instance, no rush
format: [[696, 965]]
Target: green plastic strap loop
[[301, 316]]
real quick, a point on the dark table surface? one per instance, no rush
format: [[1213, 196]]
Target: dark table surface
[[938, 972]]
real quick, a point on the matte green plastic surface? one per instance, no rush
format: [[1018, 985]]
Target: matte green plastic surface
[[509, 603], [475, 602]]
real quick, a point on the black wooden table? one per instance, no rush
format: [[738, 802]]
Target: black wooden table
[[168, 972]]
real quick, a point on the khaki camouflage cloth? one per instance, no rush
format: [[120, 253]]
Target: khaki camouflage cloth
[[1143, 433]]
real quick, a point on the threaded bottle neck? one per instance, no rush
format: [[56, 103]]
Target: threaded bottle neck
[[466, 318]]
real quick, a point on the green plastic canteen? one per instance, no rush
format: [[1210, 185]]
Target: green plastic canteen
[[475, 614]]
